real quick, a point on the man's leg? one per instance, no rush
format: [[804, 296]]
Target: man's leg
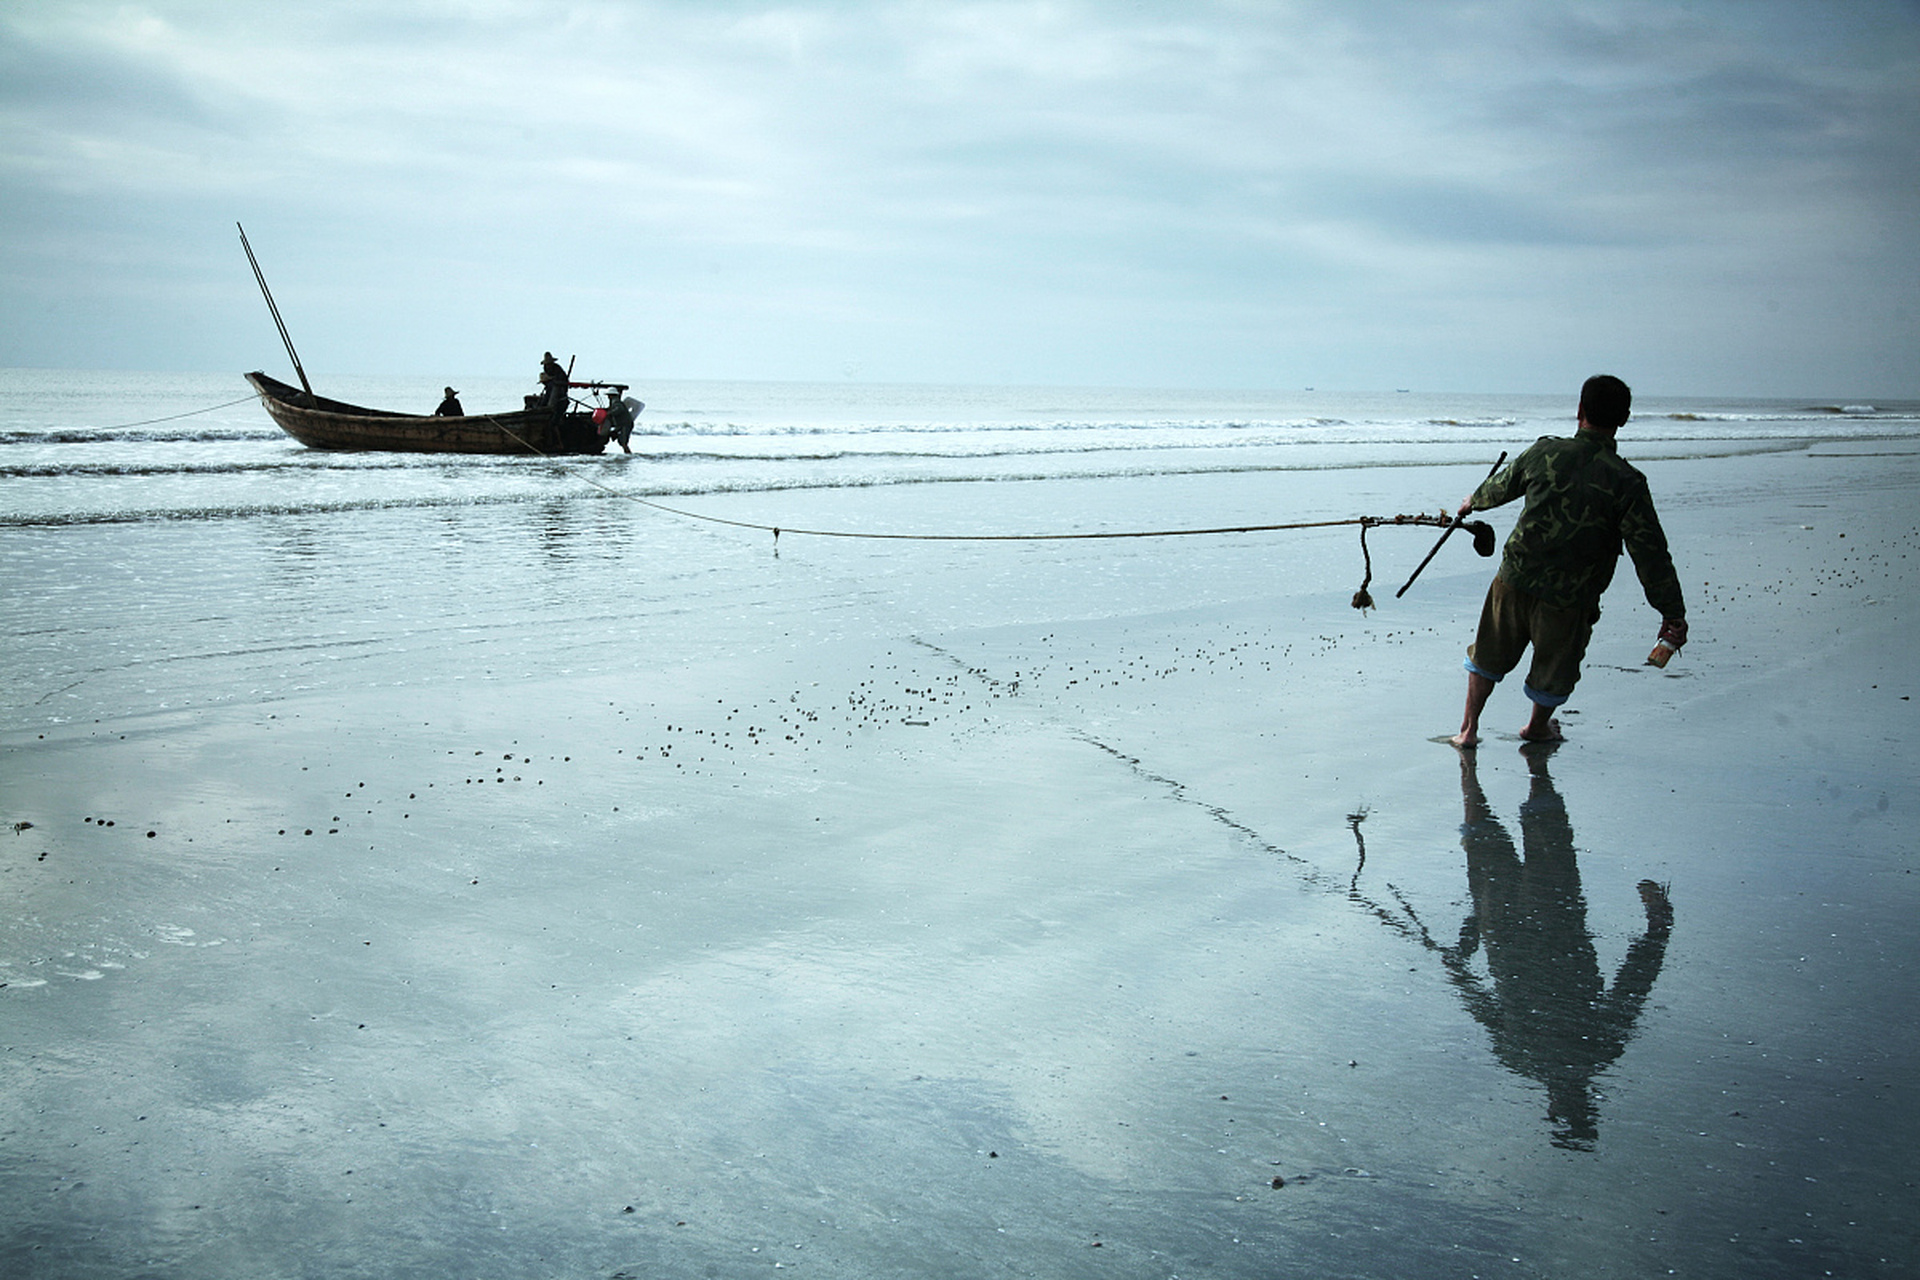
[[1498, 642], [1479, 689], [1541, 726], [1560, 638]]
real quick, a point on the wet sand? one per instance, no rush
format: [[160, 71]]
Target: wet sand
[[1053, 911]]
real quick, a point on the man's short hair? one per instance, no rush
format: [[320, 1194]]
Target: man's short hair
[[1605, 402]]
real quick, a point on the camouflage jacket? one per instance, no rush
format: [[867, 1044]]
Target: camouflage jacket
[[1583, 503]]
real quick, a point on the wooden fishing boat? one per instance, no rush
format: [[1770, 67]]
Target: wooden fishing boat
[[537, 428], [320, 423]]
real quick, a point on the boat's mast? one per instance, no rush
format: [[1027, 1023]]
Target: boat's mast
[[268, 295]]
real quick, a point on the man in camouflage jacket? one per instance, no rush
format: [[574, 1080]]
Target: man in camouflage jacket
[[1583, 504]]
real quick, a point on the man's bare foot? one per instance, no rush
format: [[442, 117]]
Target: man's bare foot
[[1465, 740], [1549, 733]]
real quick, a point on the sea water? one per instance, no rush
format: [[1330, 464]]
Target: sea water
[[84, 447], [164, 545]]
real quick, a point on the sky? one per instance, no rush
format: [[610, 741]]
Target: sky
[[1705, 198]]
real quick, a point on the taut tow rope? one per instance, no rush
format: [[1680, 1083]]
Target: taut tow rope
[[1483, 539], [147, 422]]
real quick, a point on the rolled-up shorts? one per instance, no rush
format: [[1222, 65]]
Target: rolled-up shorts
[[1512, 619]]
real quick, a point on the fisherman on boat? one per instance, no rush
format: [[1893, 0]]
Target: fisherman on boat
[[450, 407], [553, 384]]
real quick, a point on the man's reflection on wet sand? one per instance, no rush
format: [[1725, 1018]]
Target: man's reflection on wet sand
[[1551, 1016]]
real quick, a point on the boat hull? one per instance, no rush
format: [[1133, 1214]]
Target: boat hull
[[320, 423]]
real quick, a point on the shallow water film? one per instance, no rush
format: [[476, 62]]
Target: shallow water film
[[545, 884]]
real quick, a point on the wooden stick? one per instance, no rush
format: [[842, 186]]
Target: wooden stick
[[1457, 522]]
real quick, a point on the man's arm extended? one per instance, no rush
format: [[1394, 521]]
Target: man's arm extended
[[1498, 489], [1646, 542]]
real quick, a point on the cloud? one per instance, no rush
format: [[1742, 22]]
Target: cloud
[[1054, 191]]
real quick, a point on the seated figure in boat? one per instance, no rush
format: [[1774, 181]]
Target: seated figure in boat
[[450, 407]]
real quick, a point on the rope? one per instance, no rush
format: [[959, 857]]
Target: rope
[[148, 422], [1437, 521], [1363, 601], [1361, 598]]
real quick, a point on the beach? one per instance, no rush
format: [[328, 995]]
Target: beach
[[556, 885]]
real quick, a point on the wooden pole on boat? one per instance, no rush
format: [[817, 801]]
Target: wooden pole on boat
[[280, 324]]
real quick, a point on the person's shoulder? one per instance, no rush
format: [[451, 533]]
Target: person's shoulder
[[1628, 481], [1547, 448], [1626, 469], [1556, 444]]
